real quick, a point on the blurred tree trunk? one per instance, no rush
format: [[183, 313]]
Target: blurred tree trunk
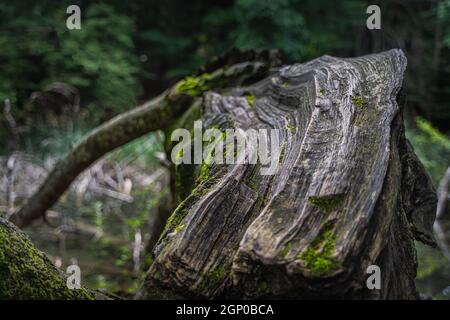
[[442, 223], [27, 273]]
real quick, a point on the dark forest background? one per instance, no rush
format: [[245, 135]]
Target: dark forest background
[[129, 51]]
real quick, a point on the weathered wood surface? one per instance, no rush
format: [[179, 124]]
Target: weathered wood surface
[[349, 192]]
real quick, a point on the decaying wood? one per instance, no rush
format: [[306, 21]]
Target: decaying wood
[[349, 192]]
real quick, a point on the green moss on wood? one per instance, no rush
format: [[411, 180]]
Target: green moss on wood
[[358, 101], [181, 211], [27, 273], [184, 174], [218, 275], [262, 289], [250, 99], [318, 256], [208, 162], [283, 150], [194, 86], [203, 182], [286, 250], [179, 228], [175, 219], [211, 279], [204, 172], [327, 203], [254, 183], [289, 126]]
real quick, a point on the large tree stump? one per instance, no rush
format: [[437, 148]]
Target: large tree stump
[[349, 192]]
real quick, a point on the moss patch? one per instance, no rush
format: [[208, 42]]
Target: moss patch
[[289, 126], [262, 289], [194, 86], [208, 162], [318, 256], [327, 203], [250, 99], [286, 250], [179, 228], [27, 273], [283, 150], [211, 279], [217, 275], [358, 101], [175, 219]]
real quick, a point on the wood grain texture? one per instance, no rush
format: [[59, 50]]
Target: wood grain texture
[[349, 192]]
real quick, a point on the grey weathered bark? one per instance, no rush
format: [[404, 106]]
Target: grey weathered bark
[[349, 192]]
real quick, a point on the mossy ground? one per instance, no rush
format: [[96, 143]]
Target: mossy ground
[[250, 99]]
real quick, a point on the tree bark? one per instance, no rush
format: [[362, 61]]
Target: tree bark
[[349, 192]]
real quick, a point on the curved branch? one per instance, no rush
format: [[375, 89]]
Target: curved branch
[[154, 115]]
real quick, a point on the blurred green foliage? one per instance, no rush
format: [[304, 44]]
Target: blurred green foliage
[[433, 273], [431, 146], [129, 51]]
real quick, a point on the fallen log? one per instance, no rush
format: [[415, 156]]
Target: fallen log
[[27, 273]]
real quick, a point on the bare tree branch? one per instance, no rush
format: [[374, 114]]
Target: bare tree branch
[[154, 115]]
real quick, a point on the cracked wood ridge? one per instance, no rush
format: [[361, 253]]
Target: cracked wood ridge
[[349, 192]]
